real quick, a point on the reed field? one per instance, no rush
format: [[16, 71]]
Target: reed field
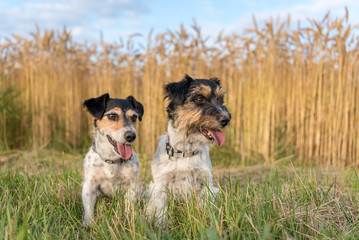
[[292, 91]]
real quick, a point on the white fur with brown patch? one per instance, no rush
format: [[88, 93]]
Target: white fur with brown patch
[[100, 176], [180, 176]]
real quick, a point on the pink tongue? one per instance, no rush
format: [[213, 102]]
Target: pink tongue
[[218, 136], [125, 150]]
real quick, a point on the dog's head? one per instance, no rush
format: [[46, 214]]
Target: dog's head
[[196, 107], [116, 119]]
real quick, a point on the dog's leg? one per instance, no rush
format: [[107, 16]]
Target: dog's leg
[[207, 192], [207, 195], [158, 203], [89, 196], [130, 197], [213, 192]]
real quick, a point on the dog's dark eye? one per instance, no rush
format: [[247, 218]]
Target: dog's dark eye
[[134, 118], [199, 99], [112, 116]]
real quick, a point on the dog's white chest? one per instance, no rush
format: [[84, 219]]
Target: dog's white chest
[[111, 177], [118, 177], [185, 182], [110, 185], [183, 175]]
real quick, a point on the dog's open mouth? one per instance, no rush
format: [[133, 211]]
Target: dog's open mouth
[[216, 135], [124, 150]]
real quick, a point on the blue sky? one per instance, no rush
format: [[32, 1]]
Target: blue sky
[[86, 19]]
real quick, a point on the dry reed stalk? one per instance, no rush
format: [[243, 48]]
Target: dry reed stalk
[[289, 90]]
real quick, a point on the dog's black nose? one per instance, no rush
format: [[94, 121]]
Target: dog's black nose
[[224, 121], [130, 136]]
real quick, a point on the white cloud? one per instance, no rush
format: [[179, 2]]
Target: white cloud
[[85, 18], [298, 12], [208, 8]]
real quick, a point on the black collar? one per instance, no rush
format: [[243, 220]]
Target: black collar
[[176, 153], [119, 160]]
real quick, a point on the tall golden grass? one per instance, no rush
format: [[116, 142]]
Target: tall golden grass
[[290, 90]]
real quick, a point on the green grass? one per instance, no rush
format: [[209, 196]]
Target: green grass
[[40, 199]]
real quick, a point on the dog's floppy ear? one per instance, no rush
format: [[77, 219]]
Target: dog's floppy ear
[[177, 91], [97, 106], [137, 105], [216, 80]]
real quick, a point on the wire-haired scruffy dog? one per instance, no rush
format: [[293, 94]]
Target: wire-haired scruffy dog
[[111, 164], [182, 165]]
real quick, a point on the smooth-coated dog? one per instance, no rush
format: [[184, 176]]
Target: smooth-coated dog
[[182, 164], [111, 164]]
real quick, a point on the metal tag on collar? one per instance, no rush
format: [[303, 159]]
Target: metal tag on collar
[[178, 154]]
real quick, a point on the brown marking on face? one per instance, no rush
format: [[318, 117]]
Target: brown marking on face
[[206, 122], [190, 118], [129, 114], [187, 115], [203, 90], [105, 124], [219, 92]]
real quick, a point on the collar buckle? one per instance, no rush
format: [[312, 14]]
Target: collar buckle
[[169, 149]]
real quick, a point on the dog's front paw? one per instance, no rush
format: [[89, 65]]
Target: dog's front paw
[[161, 221], [159, 218], [87, 222]]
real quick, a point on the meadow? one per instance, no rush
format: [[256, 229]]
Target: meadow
[[40, 195], [288, 169]]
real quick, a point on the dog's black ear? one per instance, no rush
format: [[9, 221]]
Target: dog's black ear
[[137, 105], [97, 106], [177, 91], [216, 80]]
